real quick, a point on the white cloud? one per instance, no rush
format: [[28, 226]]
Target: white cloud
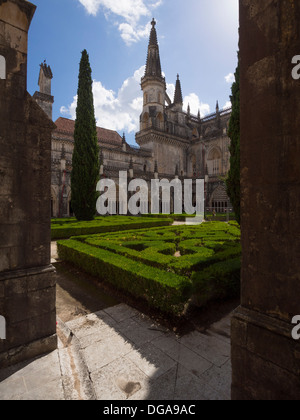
[[131, 34], [116, 111], [195, 104], [171, 90], [120, 111], [192, 99], [227, 105], [131, 11], [230, 78]]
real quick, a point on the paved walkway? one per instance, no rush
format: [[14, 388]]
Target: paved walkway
[[119, 354]]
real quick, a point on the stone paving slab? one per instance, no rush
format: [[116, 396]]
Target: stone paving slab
[[121, 354], [37, 379], [208, 346]]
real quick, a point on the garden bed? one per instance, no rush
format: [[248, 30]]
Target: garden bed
[[166, 266], [65, 228]]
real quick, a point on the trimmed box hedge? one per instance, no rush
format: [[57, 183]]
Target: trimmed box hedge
[[66, 228], [167, 266], [163, 290]]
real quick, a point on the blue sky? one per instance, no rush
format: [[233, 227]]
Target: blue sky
[[198, 39]]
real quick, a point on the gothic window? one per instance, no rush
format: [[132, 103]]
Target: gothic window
[[2, 67], [145, 121], [160, 121], [145, 98], [195, 133], [159, 98], [214, 162]]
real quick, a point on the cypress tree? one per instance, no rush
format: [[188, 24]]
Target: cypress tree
[[85, 161], [233, 178]]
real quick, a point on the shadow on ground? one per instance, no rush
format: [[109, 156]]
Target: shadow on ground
[[134, 353]]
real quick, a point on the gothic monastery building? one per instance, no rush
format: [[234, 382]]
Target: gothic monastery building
[[171, 142]]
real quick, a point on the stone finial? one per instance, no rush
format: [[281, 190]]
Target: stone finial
[[153, 64], [178, 92]]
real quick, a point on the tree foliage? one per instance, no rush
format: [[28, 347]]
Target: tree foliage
[[85, 161], [233, 179]]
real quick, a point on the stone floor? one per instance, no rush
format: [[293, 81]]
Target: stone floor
[[120, 354]]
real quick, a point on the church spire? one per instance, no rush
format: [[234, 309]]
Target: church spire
[[153, 65], [178, 92]]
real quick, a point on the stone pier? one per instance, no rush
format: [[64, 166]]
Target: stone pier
[[27, 282], [265, 358]]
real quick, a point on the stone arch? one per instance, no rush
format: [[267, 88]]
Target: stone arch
[[219, 200], [145, 121], [195, 133], [207, 130], [214, 160], [160, 121], [2, 67]]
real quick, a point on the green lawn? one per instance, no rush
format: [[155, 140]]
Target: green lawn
[[166, 266]]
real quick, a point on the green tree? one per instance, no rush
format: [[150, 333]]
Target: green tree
[[85, 161], [234, 175]]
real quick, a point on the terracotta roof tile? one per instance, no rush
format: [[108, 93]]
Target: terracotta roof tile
[[65, 127]]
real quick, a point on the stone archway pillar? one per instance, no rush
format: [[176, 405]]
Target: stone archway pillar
[[265, 357], [27, 281]]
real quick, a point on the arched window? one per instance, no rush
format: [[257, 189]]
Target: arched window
[[195, 133], [160, 121], [2, 67], [214, 162], [145, 121]]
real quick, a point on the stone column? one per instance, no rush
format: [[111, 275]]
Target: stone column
[[27, 282], [265, 358]]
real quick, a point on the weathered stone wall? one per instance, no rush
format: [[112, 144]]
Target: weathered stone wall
[[27, 287], [266, 360]]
